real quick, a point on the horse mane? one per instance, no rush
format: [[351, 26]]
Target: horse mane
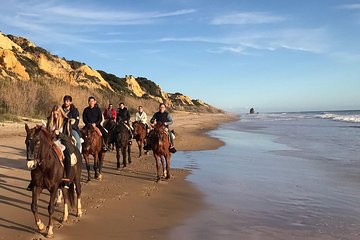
[[47, 135]]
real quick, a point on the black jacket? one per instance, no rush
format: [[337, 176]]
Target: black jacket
[[92, 115], [164, 117], [122, 115], [73, 113]]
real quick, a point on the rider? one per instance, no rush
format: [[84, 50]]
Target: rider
[[141, 117], [164, 117], [73, 114], [110, 113], [58, 122], [123, 116], [92, 116]]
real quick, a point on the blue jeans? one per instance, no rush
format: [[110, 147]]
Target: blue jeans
[[77, 137]]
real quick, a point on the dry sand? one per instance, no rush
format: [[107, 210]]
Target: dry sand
[[127, 204]]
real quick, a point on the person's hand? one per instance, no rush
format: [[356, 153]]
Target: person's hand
[[57, 132], [94, 125]]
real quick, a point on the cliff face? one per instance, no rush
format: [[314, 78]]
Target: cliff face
[[20, 59], [23, 60]]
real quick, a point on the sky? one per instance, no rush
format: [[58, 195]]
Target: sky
[[273, 55]]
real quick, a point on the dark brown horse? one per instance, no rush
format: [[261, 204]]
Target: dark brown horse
[[110, 125], [140, 133], [160, 144], [92, 145], [47, 174], [121, 138]]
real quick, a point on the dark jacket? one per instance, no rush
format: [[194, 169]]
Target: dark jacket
[[92, 115], [164, 117], [123, 115], [73, 113]]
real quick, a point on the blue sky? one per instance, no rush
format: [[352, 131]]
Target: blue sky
[[274, 55]]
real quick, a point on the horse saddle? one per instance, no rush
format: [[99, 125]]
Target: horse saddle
[[59, 149]]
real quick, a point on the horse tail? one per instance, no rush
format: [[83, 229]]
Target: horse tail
[[69, 195]]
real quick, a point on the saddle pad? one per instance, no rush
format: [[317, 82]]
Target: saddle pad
[[98, 131], [73, 159], [58, 151]]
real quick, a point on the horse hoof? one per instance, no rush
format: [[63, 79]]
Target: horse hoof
[[89, 180], [158, 179], [167, 177], [49, 235], [79, 215], [99, 177]]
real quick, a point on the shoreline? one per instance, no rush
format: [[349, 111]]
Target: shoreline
[[128, 198]]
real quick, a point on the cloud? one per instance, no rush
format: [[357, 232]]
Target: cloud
[[350, 6], [305, 40], [81, 16], [247, 18]]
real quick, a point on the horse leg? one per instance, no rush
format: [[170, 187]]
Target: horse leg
[[78, 194], [86, 157], [96, 165], [129, 153], [117, 158], [34, 208], [100, 164], [51, 209], [163, 166], [167, 158], [66, 207], [123, 151], [157, 168], [140, 147]]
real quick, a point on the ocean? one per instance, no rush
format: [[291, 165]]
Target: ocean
[[278, 176]]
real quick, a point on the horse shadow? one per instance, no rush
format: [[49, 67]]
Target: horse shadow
[[4, 223]]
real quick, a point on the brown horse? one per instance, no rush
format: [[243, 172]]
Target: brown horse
[[160, 144], [92, 145], [140, 134], [47, 174]]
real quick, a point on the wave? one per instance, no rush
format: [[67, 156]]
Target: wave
[[343, 116], [340, 117]]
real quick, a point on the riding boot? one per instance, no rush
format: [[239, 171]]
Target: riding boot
[[67, 166], [171, 148]]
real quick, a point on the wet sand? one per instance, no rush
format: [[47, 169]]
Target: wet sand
[[127, 204]]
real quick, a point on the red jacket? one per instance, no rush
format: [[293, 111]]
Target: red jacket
[[113, 114]]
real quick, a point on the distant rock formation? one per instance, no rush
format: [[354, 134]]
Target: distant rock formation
[[252, 110], [20, 59]]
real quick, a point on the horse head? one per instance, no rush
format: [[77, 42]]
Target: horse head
[[138, 127], [33, 144]]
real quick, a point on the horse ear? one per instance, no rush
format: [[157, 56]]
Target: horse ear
[[38, 126], [27, 128]]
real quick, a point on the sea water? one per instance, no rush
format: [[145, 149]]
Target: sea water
[[279, 176]]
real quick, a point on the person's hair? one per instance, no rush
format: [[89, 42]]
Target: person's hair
[[91, 97], [122, 103], [67, 97], [162, 104], [110, 104], [140, 106], [59, 121]]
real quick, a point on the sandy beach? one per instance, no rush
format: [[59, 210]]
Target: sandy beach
[[127, 204]]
